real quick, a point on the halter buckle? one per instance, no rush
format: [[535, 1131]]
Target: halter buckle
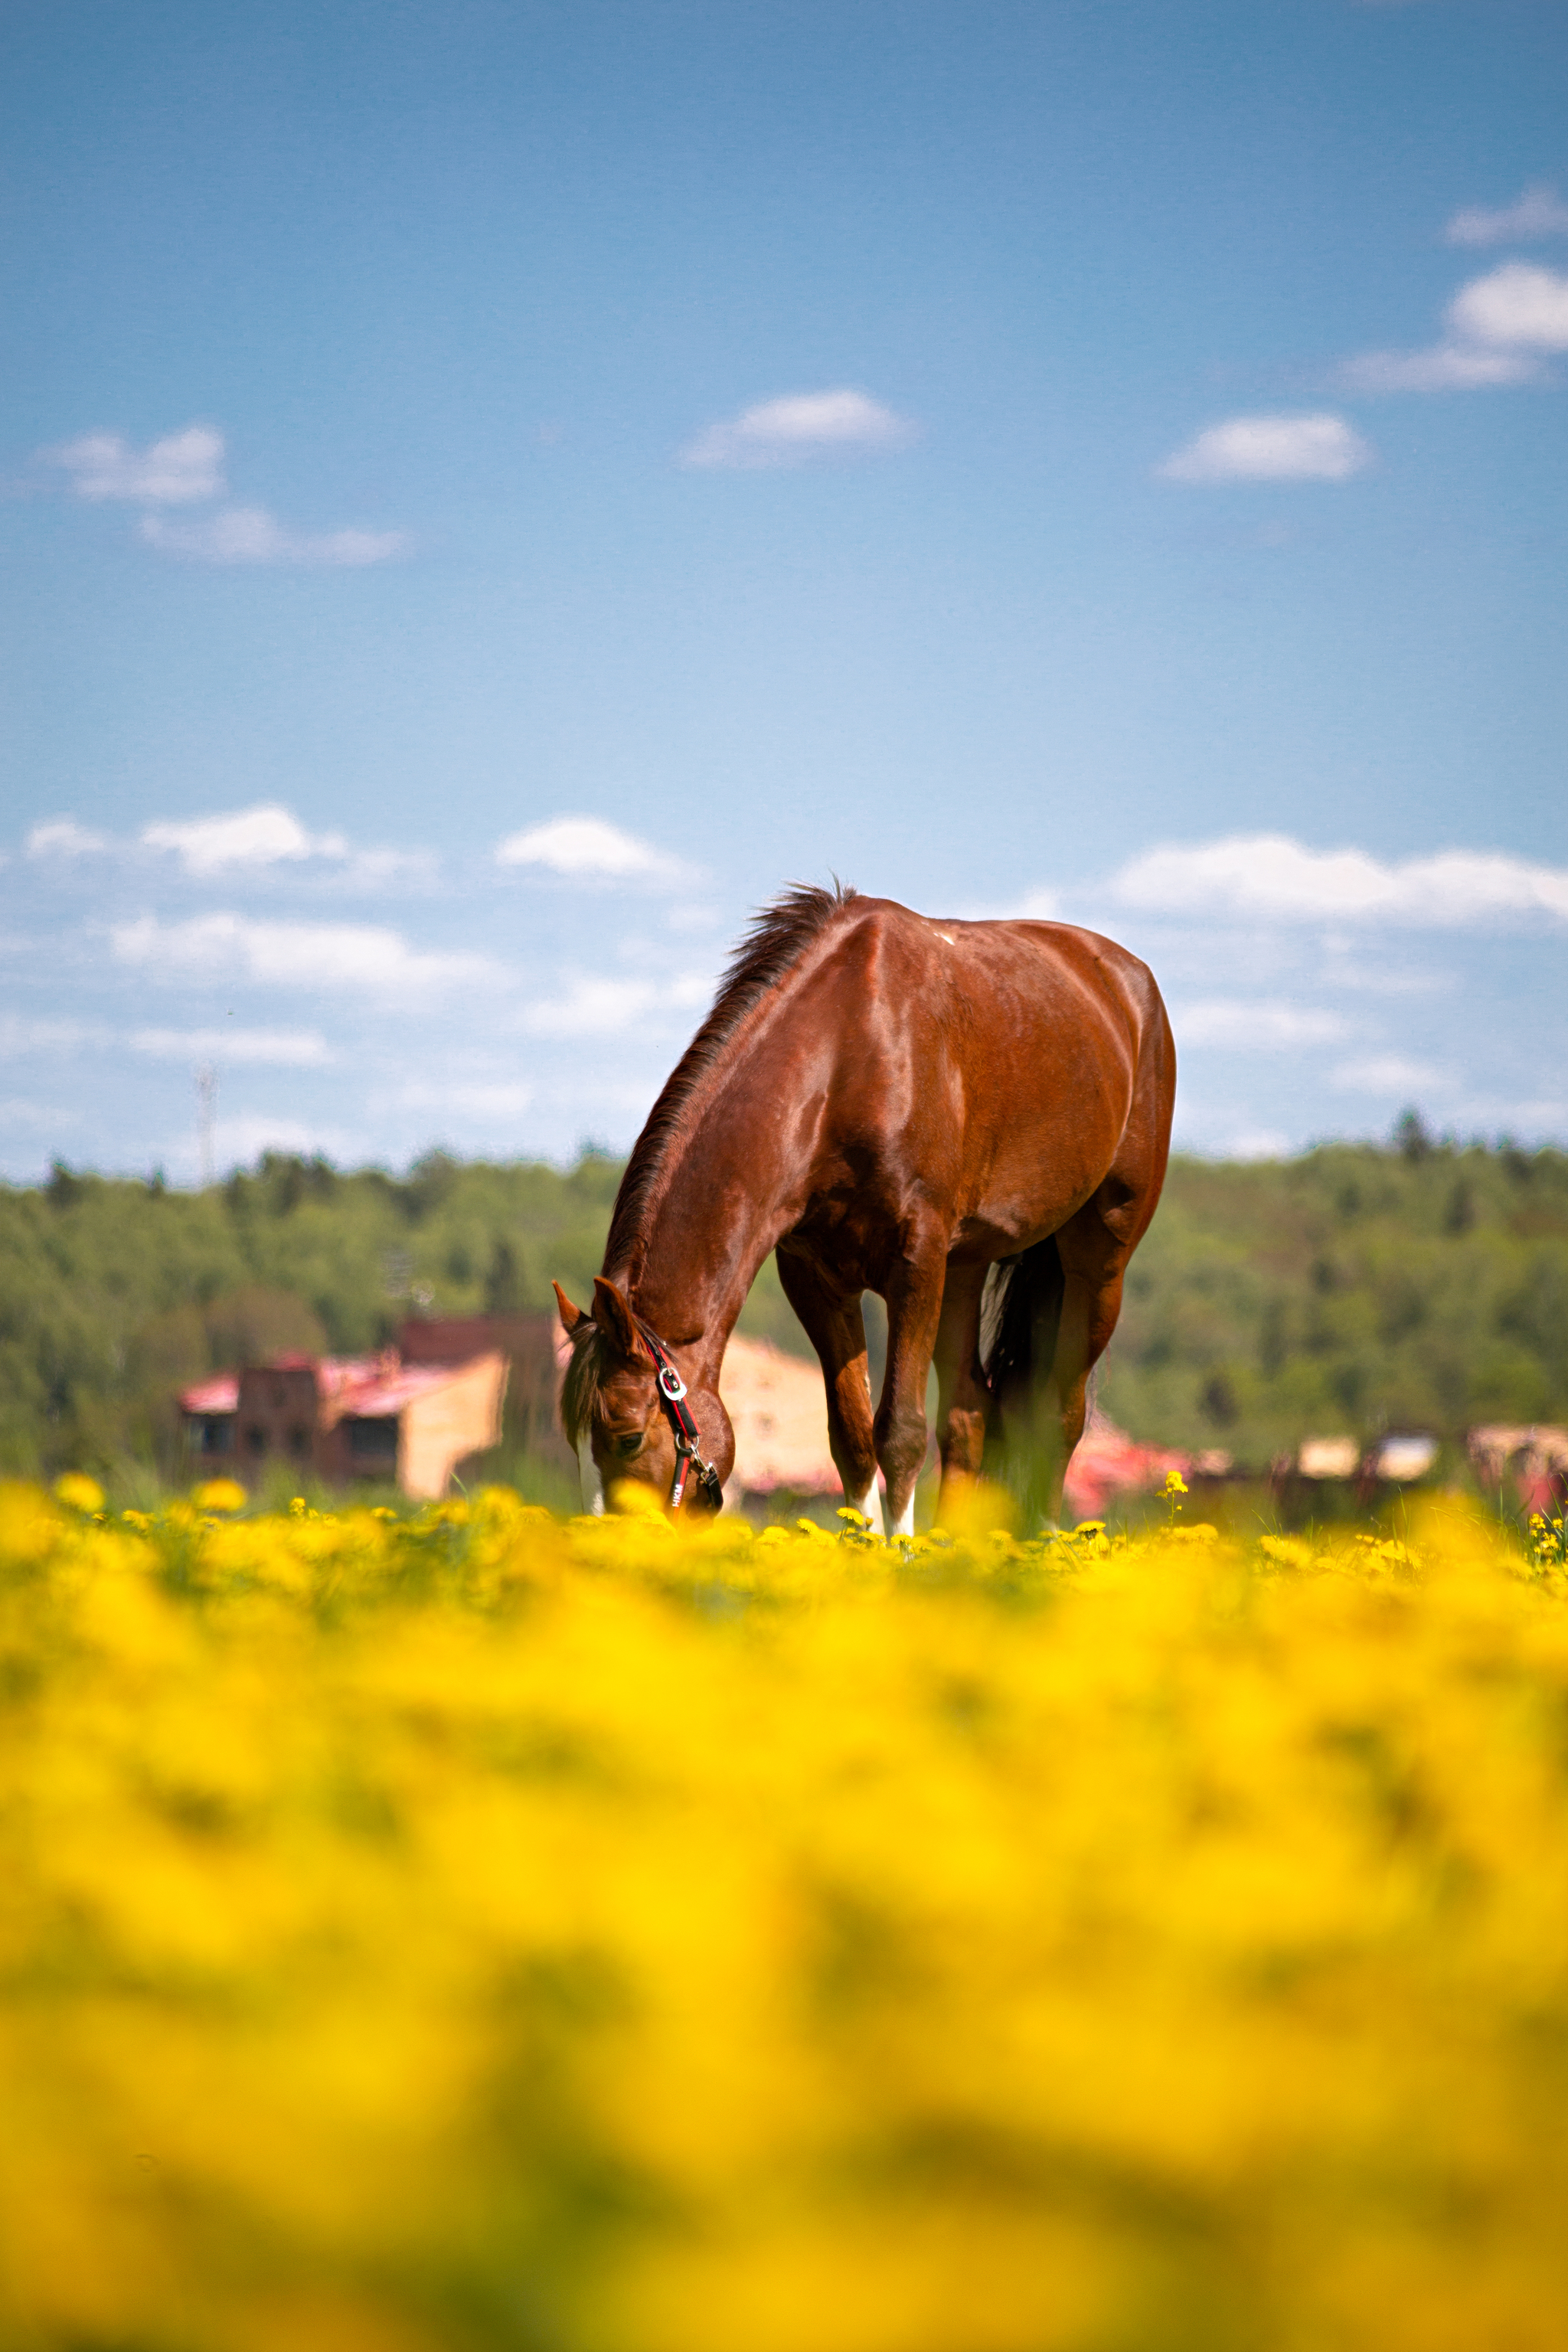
[[682, 1428]]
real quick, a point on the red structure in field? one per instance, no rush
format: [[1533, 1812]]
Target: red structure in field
[[1535, 1458], [1107, 1463]]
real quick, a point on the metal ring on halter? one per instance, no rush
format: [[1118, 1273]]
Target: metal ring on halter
[[688, 1437]]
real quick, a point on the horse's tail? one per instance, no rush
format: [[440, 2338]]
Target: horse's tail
[[1020, 1317], [1021, 1313]]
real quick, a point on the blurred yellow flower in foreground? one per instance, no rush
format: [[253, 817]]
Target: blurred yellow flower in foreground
[[479, 1930], [219, 1494], [78, 1493]]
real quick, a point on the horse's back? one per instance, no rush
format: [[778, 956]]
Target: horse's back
[[1014, 962], [1042, 996], [1047, 961]]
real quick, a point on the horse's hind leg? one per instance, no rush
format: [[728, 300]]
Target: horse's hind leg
[[1094, 1263], [836, 1329], [1095, 1245], [963, 1398]]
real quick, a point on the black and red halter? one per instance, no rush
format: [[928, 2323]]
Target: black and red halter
[[688, 1437]]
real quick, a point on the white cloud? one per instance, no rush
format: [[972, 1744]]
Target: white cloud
[[263, 835], [240, 1140], [587, 849], [256, 838], [42, 1118], [1269, 876], [1039, 906], [251, 535], [179, 469], [63, 838], [1446, 367], [297, 955], [1320, 448], [686, 917], [1520, 307], [593, 1007], [799, 427], [288, 1049], [479, 1099], [1499, 326], [1391, 1074], [1254, 1143], [1539, 212], [187, 468], [1541, 1115], [1261, 1026], [1334, 966], [376, 869], [20, 1036]]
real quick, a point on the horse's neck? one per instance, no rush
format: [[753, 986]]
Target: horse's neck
[[725, 1196]]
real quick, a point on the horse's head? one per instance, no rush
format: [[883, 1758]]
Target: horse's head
[[612, 1411]]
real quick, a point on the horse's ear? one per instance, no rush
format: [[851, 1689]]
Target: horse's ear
[[613, 1317], [570, 1316]]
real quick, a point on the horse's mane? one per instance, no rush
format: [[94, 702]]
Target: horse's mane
[[778, 936]]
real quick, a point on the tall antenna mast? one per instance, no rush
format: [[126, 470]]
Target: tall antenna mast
[[206, 1117]]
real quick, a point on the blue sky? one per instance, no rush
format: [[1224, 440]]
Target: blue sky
[[492, 491]]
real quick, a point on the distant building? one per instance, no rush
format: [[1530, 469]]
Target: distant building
[[532, 1416], [1316, 1476], [1402, 1459], [346, 1417], [1535, 1457], [1328, 1457], [778, 1410]]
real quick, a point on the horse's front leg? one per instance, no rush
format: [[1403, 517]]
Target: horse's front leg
[[914, 1313], [836, 1329]]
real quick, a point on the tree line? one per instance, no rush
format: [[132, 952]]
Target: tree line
[[1423, 1285]]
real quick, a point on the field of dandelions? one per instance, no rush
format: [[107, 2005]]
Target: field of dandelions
[[482, 1930]]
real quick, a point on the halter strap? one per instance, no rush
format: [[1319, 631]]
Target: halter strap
[[688, 1438]]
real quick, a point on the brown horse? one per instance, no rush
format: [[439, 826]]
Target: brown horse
[[970, 1119]]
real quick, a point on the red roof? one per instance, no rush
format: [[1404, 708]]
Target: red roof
[[383, 1393]]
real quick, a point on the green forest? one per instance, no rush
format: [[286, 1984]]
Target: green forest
[[1419, 1285]]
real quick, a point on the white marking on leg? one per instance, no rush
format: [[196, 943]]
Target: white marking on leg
[[906, 1525], [870, 1507], [592, 1483]]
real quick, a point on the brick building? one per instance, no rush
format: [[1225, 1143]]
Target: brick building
[[379, 1417]]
